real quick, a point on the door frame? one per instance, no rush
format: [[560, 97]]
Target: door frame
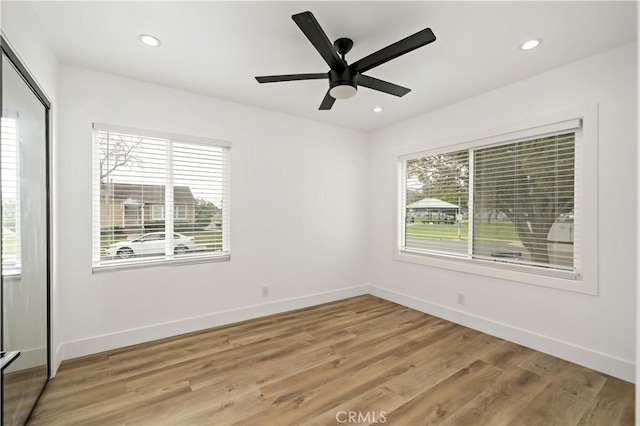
[[15, 60]]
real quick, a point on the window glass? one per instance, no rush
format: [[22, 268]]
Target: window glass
[[510, 202], [437, 199], [524, 201], [139, 178]]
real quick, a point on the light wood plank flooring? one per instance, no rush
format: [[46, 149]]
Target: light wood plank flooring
[[20, 388], [360, 360]]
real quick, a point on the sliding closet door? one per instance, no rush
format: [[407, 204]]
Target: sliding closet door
[[25, 264]]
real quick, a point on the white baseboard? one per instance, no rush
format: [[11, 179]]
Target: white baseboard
[[56, 360], [121, 339], [29, 358], [608, 364]]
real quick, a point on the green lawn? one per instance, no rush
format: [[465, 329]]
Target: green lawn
[[496, 231], [437, 231]]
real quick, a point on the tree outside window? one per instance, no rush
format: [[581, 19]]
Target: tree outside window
[[512, 202]]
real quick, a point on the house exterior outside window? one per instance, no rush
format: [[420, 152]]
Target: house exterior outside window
[[142, 204], [158, 198]]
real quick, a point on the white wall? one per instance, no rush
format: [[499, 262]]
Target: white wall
[[22, 30], [597, 331], [297, 224]]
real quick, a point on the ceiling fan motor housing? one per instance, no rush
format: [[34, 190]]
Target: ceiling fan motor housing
[[345, 77]]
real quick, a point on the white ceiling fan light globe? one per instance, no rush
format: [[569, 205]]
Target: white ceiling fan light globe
[[344, 91]]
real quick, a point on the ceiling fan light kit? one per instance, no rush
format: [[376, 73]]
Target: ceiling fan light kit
[[344, 79], [343, 84], [343, 91]]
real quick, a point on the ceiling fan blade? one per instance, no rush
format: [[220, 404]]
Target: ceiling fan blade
[[327, 102], [382, 86], [394, 50], [291, 77], [312, 29]]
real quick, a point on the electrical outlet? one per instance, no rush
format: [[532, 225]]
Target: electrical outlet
[[460, 298], [265, 291]]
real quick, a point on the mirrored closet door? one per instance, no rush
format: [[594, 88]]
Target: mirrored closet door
[[25, 241]]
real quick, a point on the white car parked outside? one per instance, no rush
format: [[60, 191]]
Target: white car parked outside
[[150, 244]]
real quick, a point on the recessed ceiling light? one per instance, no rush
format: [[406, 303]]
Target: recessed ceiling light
[[531, 44], [149, 40], [377, 109]]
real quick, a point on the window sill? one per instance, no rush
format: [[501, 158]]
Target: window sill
[[117, 265], [519, 273], [12, 274]]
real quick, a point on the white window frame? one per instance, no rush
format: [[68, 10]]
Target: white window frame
[[157, 212], [586, 205], [180, 212], [222, 255], [139, 215]]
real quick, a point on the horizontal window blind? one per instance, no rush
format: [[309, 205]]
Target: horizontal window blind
[[158, 199], [11, 232], [497, 200], [524, 202]]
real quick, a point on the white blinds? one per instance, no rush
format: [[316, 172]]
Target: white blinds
[[524, 202], [10, 195], [158, 197], [511, 201]]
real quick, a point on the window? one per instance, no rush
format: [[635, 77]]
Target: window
[[523, 195], [139, 176], [179, 212], [157, 211], [510, 203], [132, 214], [11, 232]]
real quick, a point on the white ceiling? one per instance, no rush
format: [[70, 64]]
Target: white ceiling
[[216, 48]]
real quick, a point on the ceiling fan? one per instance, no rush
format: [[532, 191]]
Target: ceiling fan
[[344, 78]]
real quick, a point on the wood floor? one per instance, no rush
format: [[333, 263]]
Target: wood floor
[[360, 360], [20, 389]]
